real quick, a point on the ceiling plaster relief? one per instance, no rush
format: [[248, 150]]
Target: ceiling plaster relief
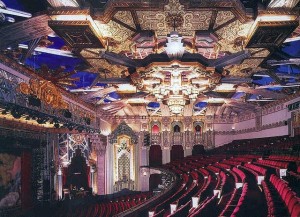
[[224, 32]]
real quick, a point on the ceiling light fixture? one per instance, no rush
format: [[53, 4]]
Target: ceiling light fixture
[[174, 47]]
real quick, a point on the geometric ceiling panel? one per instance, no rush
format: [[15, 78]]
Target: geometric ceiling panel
[[77, 34], [270, 34], [125, 17], [223, 17]]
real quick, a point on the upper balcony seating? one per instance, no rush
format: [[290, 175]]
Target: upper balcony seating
[[274, 164], [246, 158], [192, 190], [259, 145]]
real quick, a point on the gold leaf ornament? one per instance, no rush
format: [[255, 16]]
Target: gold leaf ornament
[[24, 88]]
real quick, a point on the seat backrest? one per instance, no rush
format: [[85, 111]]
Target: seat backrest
[[296, 211], [292, 203]]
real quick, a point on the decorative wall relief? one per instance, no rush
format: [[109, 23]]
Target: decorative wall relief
[[187, 121], [99, 143], [45, 91], [166, 139]]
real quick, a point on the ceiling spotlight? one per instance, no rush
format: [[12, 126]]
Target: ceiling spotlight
[[56, 125], [16, 114], [80, 129], [67, 113], [70, 127]]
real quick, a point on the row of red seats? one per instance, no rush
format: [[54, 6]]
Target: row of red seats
[[257, 169], [223, 166], [235, 202], [290, 199], [241, 175], [296, 174], [238, 210], [275, 164], [204, 190], [214, 169]]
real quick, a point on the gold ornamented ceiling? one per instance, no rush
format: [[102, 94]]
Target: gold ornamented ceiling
[[225, 44]]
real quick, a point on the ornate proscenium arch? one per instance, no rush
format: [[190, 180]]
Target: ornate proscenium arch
[[123, 129]]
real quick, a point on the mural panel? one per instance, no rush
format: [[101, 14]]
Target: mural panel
[[10, 180]]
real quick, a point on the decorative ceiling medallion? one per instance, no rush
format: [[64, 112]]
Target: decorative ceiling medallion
[[269, 34], [174, 20], [78, 34]]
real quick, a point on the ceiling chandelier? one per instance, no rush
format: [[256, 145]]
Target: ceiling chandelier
[[174, 47]]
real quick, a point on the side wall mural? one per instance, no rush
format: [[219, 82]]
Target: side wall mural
[[10, 180]]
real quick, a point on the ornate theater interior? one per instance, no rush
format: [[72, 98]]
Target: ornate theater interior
[[149, 108]]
